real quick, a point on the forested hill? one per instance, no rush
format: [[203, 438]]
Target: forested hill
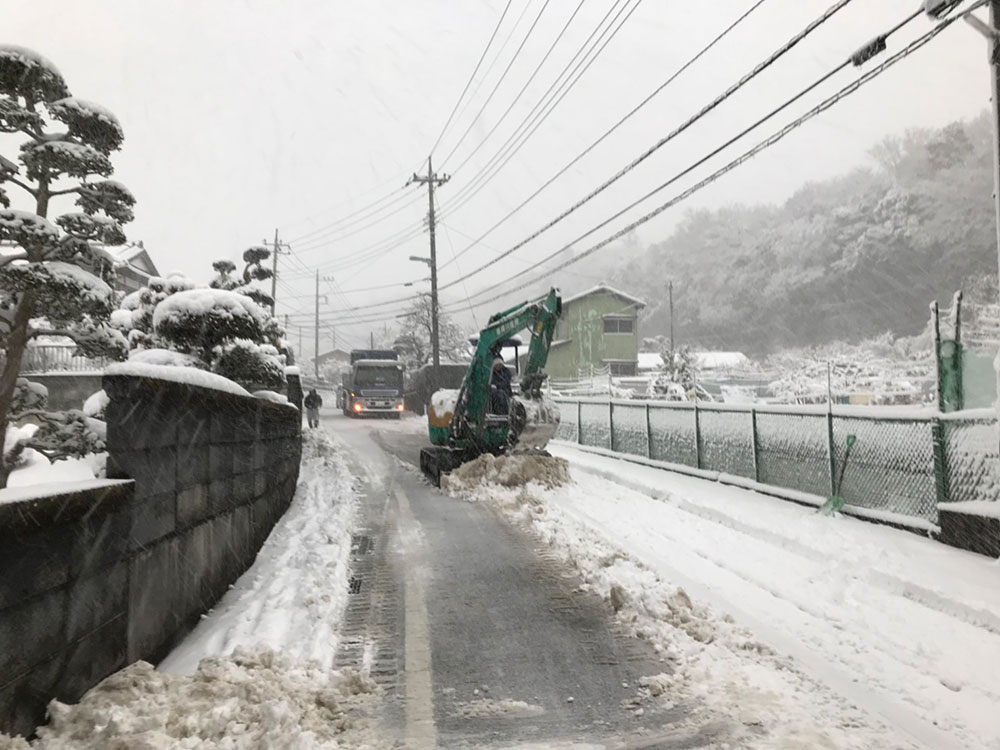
[[842, 259]]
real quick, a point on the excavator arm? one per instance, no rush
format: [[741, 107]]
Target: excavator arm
[[540, 317]]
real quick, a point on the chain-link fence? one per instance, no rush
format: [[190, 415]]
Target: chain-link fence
[[901, 465]]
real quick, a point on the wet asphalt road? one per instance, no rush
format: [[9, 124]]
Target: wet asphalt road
[[479, 636]]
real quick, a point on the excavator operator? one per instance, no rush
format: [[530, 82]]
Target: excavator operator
[[501, 388]]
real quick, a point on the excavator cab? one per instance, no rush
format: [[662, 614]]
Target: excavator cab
[[461, 423]]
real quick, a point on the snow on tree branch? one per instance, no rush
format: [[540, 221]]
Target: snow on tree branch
[[64, 158], [86, 227], [27, 230], [15, 118], [89, 122], [109, 196], [25, 73]]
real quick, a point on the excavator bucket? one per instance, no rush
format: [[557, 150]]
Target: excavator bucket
[[533, 422]]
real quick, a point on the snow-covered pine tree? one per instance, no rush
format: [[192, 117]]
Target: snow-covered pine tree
[[253, 270], [52, 282], [226, 331]]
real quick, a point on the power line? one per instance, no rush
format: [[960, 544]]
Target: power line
[[524, 88], [471, 77], [325, 241], [545, 105], [500, 81], [725, 32], [743, 81], [747, 155], [389, 197]]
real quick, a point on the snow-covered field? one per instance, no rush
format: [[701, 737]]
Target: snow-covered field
[[265, 676], [798, 629]]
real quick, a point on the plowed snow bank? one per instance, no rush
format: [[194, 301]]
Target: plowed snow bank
[[516, 470], [249, 700]]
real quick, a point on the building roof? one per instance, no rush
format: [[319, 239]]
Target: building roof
[[136, 257], [720, 360], [650, 361], [605, 289]]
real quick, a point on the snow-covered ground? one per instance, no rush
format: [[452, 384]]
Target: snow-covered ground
[[804, 630], [292, 598], [257, 671]]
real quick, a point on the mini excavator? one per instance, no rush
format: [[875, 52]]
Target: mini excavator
[[459, 421]]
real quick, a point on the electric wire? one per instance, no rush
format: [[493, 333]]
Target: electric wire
[[544, 107], [471, 77], [743, 81], [524, 88], [745, 156], [677, 73], [489, 98]]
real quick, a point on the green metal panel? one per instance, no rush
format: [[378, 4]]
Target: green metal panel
[[582, 327]]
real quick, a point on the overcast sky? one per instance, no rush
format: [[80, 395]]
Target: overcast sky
[[241, 117]]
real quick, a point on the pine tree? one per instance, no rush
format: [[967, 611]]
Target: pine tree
[[56, 281], [253, 270]]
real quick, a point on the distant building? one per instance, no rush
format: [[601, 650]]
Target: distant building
[[598, 328], [136, 267]]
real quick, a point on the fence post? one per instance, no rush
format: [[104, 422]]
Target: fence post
[[697, 433], [832, 457], [941, 480], [756, 447], [611, 422], [649, 434], [579, 423]]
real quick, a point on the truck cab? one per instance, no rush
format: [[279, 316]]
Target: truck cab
[[374, 386]]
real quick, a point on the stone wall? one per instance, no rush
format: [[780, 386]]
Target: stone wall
[[126, 573], [67, 390]]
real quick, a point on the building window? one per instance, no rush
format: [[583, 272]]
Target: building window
[[619, 325], [622, 369]]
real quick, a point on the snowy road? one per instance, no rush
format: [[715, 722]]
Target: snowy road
[[501, 646]]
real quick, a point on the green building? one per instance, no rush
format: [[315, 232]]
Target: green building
[[598, 328]]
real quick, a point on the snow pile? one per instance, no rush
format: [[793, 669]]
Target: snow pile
[[293, 596], [727, 675], [443, 401], [903, 626], [164, 357], [186, 375], [514, 470], [95, 404], [272, 396], [253, 699]]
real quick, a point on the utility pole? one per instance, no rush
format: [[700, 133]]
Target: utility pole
[[276, 250], [670, 294], [431, 180], [371, 339], [316, 356]]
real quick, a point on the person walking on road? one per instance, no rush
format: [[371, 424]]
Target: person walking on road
[[312, 403]]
